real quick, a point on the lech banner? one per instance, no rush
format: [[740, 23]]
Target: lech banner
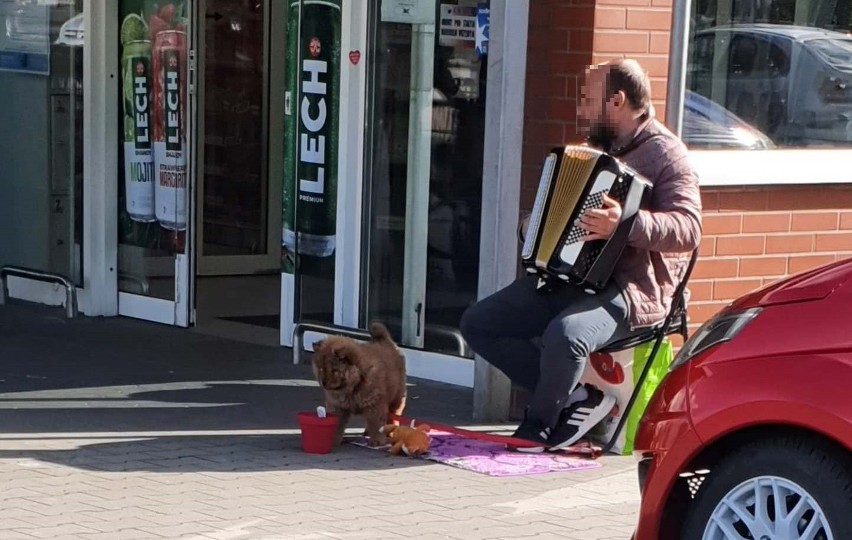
[[153, 91], [312, 121]]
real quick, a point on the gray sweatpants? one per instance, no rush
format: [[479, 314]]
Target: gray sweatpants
[[571, 324]]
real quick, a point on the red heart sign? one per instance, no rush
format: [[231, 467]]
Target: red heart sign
[[354, 57]]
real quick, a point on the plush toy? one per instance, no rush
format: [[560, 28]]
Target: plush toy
[[412, 441]]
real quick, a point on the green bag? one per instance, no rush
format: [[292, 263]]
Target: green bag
[[615, 374]]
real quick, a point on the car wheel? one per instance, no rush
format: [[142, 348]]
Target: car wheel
[[776, 489]]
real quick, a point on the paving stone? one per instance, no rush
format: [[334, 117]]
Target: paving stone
[[14, 534], [61, 531]]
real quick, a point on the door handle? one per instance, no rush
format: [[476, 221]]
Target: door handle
[[419, 311]]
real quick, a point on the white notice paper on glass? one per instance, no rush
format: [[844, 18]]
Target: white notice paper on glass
[[24, 37], [409, 11], [27, 28], [458, 25]]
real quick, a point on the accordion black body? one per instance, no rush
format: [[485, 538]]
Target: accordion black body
[[573, 179]]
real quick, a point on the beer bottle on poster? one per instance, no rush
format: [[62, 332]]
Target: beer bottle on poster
[[138, 156], [312, 127], [170, 190]]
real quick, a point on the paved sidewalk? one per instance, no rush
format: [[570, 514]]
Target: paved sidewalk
[[121, 429]]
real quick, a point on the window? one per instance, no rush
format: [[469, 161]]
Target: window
[[41, 141], [769, 75]]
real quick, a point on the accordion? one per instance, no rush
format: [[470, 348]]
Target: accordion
[[573, 179]]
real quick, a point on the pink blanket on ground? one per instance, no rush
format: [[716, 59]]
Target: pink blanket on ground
[[493, 459]]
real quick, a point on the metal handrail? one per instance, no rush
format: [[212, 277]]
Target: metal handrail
[[300, 328], [46, 277], [142, 282], [452, 333], [442, 330]]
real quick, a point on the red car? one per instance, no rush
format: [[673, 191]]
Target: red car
[[749, 436]]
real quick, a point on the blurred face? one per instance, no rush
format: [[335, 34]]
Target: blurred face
[[595, 113]]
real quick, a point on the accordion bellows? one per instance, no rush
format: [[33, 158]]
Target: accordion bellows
[[573, 179]]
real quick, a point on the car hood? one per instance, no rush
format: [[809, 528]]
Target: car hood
[[810, 285]]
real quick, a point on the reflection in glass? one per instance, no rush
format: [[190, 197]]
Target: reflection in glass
[[153, 204], [771, 74], [235, 188], [41, 141]]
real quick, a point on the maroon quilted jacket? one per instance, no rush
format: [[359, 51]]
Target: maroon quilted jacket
[[664, 235]]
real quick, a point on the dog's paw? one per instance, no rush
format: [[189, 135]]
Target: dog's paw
[[377, 441]]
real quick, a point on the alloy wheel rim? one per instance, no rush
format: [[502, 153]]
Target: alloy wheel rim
[[768, 508]]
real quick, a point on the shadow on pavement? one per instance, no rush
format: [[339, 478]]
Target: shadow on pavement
[[116, 390], [205, 453]]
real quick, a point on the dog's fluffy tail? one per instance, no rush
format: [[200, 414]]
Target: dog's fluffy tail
[[379, 332]]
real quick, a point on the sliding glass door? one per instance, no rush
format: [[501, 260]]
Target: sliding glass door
[[426, 112]]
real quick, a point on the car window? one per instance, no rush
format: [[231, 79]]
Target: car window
[[702, 56], [742, 56], [699, 72], [837, 52], [777, 61], [753, 56]]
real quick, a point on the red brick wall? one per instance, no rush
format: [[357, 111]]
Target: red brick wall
[[755, 236]]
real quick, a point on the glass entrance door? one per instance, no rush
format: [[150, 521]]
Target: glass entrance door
[[155, 159], [238, 178], [239, 213], [426, 116]]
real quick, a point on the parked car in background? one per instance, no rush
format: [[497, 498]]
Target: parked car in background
[[708, 125], [793, 83], [749, 436]]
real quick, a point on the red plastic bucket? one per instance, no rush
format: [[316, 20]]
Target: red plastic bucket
[[317, 433]]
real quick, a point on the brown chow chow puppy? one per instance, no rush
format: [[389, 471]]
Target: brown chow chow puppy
[[365, 379]]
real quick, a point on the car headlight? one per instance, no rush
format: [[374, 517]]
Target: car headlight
[[718, 329]]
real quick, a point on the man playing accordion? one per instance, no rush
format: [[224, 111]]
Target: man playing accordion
[[616, 116]]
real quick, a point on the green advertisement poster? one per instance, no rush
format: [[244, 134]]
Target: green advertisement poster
[[153, 182], [312, 120]]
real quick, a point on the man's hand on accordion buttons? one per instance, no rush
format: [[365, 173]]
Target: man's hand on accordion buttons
[[600, 223]]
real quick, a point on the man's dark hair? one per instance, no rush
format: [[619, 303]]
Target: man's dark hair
[[628, 76]]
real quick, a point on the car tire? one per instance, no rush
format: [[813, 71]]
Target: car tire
[[822, 471]]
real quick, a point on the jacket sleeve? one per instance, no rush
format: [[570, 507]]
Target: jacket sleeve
[[673, 224]]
